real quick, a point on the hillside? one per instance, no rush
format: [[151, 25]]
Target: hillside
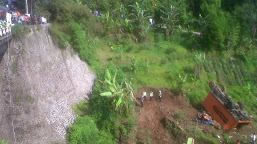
[[133, 47], [42, 85]]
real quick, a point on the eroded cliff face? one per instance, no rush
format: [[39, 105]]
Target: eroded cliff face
[[39, 86]]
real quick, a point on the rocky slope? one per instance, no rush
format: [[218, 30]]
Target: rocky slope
[[39, 86]]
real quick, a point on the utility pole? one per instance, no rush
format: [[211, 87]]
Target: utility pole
[[31, 14], [27, 12]]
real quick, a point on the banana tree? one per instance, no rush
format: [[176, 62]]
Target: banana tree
[[121, 19], [122, 95], [202, 22], [140, 20], [107, 21], [79, 2], [181, 81], [170, 18], [200, 60]]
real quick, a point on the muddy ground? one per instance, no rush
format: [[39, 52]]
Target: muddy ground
[[151, 120]]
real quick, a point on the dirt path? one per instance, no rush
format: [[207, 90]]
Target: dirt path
[[151, 127]]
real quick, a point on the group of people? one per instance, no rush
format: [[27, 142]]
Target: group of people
[[144, 97], [17, 17], [5, 27]]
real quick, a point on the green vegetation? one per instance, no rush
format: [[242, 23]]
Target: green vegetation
[[85, 131], [202, 137], [2, 141], [57, 36], [127, 52], [19, 31]]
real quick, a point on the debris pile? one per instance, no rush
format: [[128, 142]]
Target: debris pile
[[207, 119]]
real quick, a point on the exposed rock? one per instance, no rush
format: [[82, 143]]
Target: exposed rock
[[44, 83]]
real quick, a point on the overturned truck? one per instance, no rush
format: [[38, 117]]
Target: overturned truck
[[228, 113]]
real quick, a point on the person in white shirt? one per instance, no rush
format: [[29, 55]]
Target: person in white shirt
[[254, 138], [44, 20], [151, 21]]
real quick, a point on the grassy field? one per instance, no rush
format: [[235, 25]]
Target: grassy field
[[159, 64]]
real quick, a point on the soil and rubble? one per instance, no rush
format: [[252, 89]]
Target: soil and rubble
[[43, 82], [173, 120]]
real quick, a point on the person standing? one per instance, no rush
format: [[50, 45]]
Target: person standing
[[23, 19], [144, 95], [40, 19], [254, 138], [150, 21], [142, 101], [160, 95], [151, 96], [27, 19]]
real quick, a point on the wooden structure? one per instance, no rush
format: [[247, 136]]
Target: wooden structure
[[216, 106]]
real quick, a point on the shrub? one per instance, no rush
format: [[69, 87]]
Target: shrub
[[196, 97], [19, 31], [58, 36], [2, 141], [84, 131], [80, 42]]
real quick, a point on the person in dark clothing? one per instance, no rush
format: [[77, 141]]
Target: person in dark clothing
[[142, 101], [160, 95]]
